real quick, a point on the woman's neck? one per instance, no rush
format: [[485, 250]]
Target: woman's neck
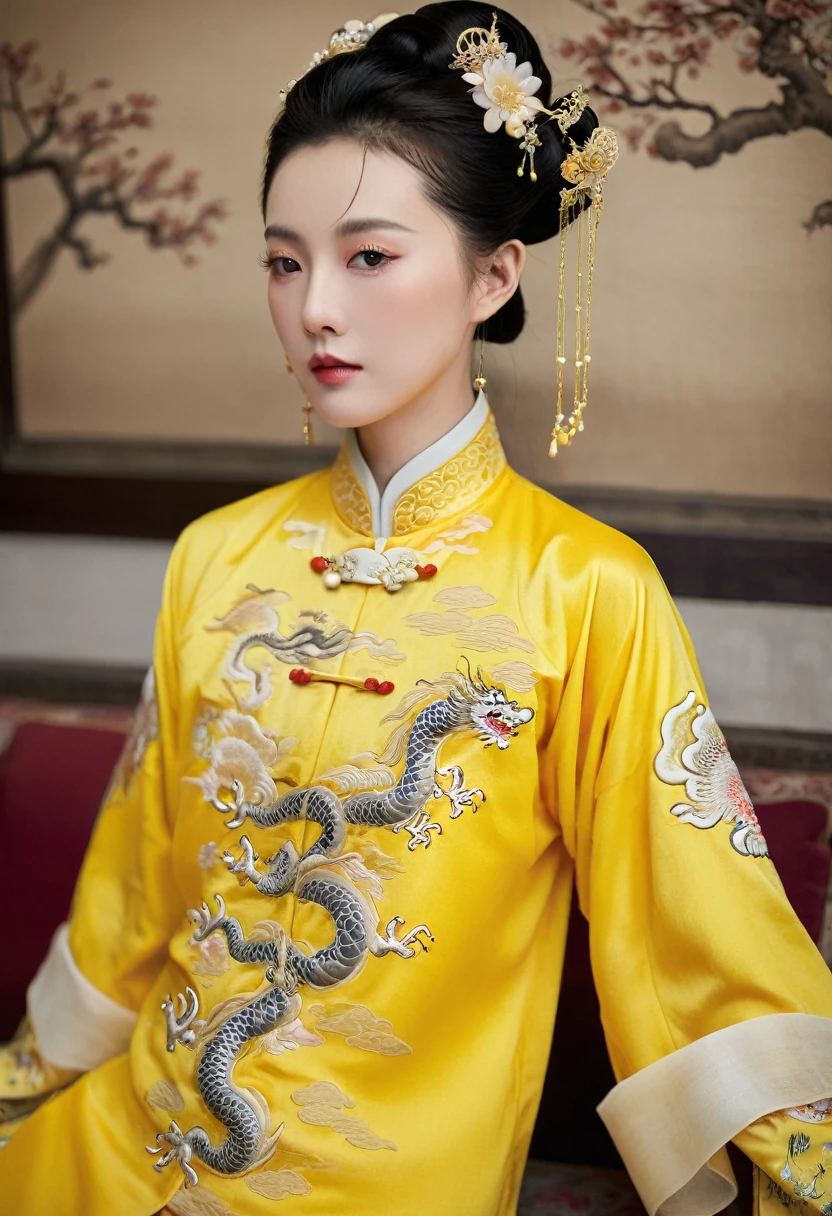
[[392, 441]]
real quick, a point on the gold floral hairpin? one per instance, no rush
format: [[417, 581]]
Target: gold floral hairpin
[[351, 36], [506, 91]]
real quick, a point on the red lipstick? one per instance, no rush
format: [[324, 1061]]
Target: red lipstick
[[328, 369]]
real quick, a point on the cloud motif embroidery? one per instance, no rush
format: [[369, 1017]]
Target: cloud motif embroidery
[[278, 1184], [360, 1027], [450, 538], [322, 1103], [493, 632]]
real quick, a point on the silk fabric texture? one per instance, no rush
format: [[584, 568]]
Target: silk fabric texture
[[547, 725]]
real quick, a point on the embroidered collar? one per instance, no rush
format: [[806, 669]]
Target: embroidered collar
[[440, 480]]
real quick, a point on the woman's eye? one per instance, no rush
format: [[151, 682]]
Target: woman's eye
[[273, 262], [282, 266], [373, 254]]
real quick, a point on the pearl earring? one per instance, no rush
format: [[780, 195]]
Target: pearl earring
[[480, 381]]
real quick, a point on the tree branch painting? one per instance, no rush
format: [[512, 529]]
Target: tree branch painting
[[61, 134], [640, 66]]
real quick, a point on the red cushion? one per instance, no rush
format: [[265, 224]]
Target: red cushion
[[796, 833], [52, 780]]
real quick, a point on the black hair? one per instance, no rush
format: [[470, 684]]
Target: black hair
[[397, 94]]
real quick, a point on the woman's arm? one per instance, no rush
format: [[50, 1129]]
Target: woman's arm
[[84, 1001], [716, 1004]]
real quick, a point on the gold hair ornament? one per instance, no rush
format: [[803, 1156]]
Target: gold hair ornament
[[506, 91], [584, 167], [351, 36]]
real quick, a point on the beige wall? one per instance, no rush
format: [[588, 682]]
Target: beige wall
[[712, 307]]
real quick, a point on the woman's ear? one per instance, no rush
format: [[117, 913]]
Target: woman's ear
[[500, 280]]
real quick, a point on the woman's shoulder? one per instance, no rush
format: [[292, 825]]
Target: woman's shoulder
[[567, 538], [589, 577], [215, 541], [248, 514]]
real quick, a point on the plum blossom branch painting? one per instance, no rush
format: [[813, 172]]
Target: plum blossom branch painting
[[84, 147], [640, 65]]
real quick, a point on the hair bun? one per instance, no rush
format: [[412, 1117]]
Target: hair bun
[[403, 42], [399, 94]]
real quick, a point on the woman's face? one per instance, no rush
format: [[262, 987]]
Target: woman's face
[[377, 282]]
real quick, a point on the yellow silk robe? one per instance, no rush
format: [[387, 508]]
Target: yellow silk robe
[[317, 939]]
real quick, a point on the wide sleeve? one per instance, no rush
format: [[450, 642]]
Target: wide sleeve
[[83, 1003], [715, 1003]]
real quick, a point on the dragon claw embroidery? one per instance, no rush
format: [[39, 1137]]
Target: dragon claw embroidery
[[458, 797], [694, 754], [205, 922], [181, 1027], [244, 864], [237, 806], [419, 828], [178, 1150], [400, 945]]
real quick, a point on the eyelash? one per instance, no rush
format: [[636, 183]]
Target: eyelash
[[269, 261]]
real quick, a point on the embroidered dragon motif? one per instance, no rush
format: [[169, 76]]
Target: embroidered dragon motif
[[455, 703]]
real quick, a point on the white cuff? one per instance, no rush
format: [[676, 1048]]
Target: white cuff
[[671, 1120], [75, 1025]]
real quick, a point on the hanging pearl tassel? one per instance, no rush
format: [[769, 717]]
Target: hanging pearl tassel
[[565, 429]]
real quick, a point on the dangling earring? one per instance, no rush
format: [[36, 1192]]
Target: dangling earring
[[479, 380], [308, 433]]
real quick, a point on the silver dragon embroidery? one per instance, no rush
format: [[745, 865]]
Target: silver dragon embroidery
[[456, 703]]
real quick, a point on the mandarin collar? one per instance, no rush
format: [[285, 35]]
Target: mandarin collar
[[443, 478]]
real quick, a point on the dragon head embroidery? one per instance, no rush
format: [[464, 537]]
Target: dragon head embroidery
[[495, 719]]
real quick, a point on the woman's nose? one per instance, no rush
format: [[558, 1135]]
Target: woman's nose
[[321, 309]]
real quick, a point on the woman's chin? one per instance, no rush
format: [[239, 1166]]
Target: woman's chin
[[350, 408]]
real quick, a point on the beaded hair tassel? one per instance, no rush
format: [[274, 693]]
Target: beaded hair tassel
[[506, 91], [586, 167]]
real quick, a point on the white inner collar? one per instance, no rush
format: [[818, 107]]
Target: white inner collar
[[424, 462]]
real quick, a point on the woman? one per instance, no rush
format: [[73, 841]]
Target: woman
[[315, 948]]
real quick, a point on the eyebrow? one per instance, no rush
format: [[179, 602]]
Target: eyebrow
[[348, 228]]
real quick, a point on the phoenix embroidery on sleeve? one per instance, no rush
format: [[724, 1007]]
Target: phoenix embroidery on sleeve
[[694, 754]]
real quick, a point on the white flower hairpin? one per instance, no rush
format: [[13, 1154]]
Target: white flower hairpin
[[506, 91]]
